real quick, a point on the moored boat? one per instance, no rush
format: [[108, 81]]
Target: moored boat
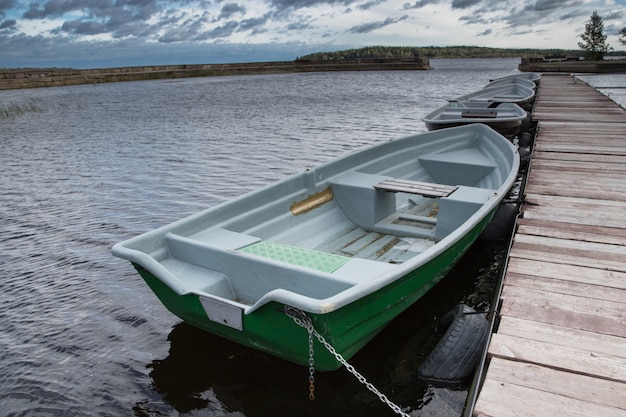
[[505, 118], [530, 76], [348, 245], [511, 80], [507, 93]]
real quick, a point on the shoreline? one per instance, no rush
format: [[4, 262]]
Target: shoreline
[[52, 77]]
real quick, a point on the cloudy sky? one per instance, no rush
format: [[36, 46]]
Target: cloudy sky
[[107, 33]]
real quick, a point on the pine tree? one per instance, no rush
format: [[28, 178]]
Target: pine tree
[[594, 39]]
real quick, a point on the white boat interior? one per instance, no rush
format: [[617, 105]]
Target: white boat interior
[[364, 219]]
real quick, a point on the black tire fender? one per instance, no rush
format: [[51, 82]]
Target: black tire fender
[[455, 356]]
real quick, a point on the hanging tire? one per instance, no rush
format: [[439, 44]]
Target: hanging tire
[[525, 139], [455, 356], [526, 122], [501, 225]]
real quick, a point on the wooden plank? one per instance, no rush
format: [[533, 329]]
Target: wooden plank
[[503, 399], [522, 389], [578, 157], [585, 191], [478, 114], [579, 360], [549, 105], [596, 116], [587, 250], [575, 210], [575, 273], [609, 181], [543, 253], [576, 312], [579, 133], [416, 187], [554, 165], [569, 144], [573, 231], [577, 148], [589, 193], [555, 126], [564, 336], [565, 286]]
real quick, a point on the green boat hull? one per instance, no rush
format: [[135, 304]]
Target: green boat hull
[[347, 329]]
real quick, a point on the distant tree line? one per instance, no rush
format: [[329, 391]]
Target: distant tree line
[[437, 52]]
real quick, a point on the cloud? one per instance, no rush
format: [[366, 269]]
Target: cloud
[[8, 24], [419, 4], [40, 51], [83, 27], [299, 4], [548, 5], [231, 9], [120, 19], [222, 31], [474, 19], [370, 4], [464, 4], [372, 26], [5, 5], [485, 32], [614, 15], [253, 24]]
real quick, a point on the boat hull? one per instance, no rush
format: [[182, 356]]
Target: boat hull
[[347, 329]]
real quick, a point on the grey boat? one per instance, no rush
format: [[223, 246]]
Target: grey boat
[[530, 76], [511, 93], [505, 118], [511, 80]]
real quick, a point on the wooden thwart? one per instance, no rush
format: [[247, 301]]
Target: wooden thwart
[[426, 189], [479, 115]]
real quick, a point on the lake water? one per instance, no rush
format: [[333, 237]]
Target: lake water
[[611, 85], [84, 167]]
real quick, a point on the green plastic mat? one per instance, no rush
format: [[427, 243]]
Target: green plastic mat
[[321, 261]]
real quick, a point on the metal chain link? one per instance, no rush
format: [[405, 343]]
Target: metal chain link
[[302, 320], [311, 365]]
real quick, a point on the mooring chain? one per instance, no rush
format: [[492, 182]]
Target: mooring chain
[[302, 320]]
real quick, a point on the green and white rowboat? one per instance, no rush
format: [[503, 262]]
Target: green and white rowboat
[[350, 244]]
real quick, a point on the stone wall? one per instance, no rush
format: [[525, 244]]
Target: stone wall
[[34, 78], [572, 65]]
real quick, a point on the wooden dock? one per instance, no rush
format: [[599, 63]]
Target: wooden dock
[[560, 347]]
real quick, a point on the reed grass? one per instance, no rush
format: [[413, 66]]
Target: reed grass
[[11, 110]]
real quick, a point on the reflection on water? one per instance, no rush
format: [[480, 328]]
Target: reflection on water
[[89, 166]]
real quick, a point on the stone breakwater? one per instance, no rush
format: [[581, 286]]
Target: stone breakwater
[[51, 77], [557, 64]]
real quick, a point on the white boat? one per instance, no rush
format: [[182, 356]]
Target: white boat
[[530, 76], [508, 93], [345, 247], [505, 118], [511, 80]]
